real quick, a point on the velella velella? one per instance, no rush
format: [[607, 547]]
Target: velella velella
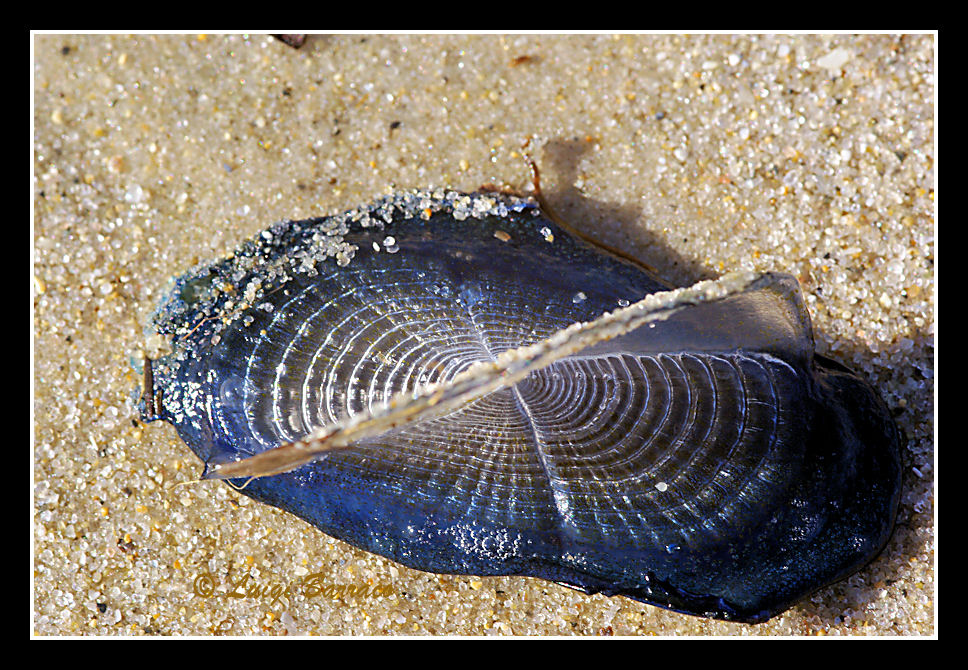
[[455, 382]]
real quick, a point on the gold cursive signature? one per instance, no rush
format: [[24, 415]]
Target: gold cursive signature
[[205, 585]]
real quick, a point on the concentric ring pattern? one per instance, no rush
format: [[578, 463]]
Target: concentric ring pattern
[[681, 476], [662, 448]]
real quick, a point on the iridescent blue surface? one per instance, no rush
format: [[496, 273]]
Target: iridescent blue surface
[[712, 465]]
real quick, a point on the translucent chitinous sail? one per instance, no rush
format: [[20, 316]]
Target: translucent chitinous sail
[[454, 382]]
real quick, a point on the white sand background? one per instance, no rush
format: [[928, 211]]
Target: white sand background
[[812, 155]]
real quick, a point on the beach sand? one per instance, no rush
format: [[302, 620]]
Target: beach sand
[[812, 155]]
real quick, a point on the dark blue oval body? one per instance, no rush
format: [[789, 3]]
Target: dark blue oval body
[[712, 465]]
